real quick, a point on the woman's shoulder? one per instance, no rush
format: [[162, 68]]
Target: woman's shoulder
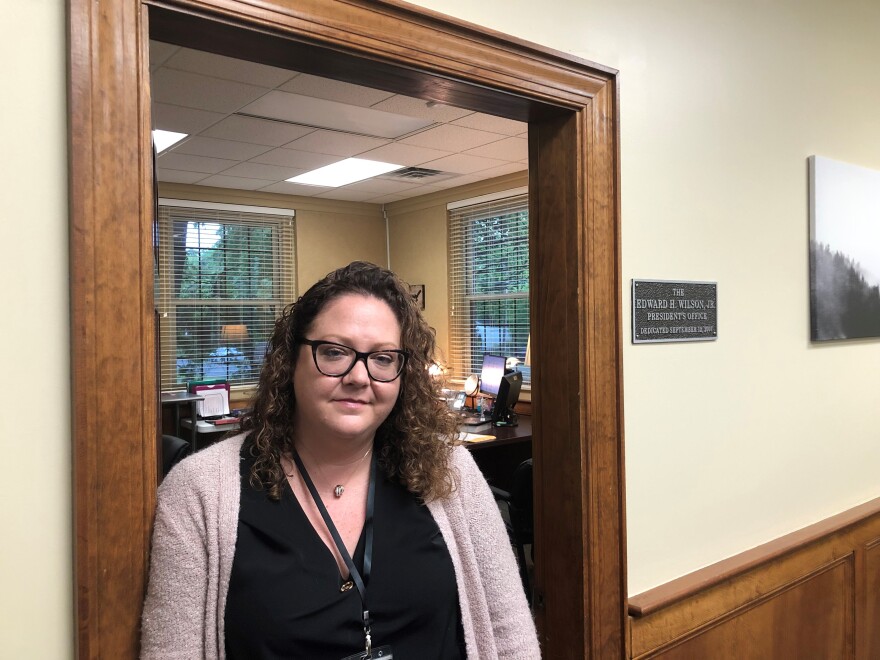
[[462, 459], [466, 473], [206, 467]]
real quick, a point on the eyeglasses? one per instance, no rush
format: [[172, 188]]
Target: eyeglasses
[[336, 360]]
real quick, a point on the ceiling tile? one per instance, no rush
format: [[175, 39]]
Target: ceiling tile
[[463, 164], [160, 51], [501, 170], [214, 148], [334, 90], [434, 186], [451, 138], [336, 143], [287, 188], [174, 161], [257, 131], [228, 68], [514, 149], [178, 176], [196, 91], [299, 159], [406, 105], [387, 199], [404, 154], [183, 120], [426, 189], [492, 124], [378, 186], [272, 173], [347, 195], [238, 183], [330, 114]]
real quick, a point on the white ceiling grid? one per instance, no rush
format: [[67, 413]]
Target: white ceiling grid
[[252, 126]]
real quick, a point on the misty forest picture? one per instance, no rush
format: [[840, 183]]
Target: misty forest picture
[[844, 250]]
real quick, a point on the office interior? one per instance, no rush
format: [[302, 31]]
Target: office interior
[[730, 445], [251, 127]]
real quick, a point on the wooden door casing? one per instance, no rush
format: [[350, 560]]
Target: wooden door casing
[[572, 109]]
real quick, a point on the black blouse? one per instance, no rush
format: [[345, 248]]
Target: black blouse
[[285, 598]]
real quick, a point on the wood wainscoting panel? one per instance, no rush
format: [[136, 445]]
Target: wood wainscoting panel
[[814, 593], [872, 604], [809, 619]]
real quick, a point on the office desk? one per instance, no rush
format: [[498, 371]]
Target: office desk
[[206, 428], [498, 458], [176, 399], [504, 435]]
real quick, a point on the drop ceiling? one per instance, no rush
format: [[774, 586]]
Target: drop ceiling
[[253, 126]]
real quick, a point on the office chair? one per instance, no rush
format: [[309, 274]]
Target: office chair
[[174, 450], [520, 508]]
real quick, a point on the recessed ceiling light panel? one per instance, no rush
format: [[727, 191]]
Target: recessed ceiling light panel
[[166, 139], [344, 172]]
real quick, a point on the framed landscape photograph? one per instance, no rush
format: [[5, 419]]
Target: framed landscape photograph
[[844, 250]]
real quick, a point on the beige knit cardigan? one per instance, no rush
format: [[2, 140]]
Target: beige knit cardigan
[[194, 544]]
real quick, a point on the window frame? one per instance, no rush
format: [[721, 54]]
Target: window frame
[[283, 222], [461, 256]]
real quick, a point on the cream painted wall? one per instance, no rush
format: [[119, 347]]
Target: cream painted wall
[[731, 443], [418, 256], [728, 444], [36, 596], [325, 241]]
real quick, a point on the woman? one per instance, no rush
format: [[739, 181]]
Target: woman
[[344, 520]]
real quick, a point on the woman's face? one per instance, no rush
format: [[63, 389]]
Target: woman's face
[[352, 407]]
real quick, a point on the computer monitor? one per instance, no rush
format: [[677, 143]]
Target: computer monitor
[[508, 395], [492, 373]]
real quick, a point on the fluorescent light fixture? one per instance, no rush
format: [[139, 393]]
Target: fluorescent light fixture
[[344, 172], [166, 139]]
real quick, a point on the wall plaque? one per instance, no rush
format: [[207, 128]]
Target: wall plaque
[[674, 311]]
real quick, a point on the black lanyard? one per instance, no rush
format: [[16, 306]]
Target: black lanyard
[[368, 545]]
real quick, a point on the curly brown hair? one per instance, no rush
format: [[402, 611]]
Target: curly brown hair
[[415, 440]]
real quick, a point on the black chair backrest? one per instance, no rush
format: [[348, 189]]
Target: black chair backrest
[[174, 450], [522, 506]]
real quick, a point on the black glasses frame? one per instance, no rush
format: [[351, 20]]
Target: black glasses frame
[[358, 355]]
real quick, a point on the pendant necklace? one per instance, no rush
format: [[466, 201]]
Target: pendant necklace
[[340, 488]]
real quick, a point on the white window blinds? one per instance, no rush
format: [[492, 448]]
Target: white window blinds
[[489, 283], [222, 277]]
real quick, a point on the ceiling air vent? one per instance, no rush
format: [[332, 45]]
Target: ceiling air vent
[[413, 173]]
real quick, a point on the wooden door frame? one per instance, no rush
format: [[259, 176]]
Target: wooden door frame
[[572, 108]]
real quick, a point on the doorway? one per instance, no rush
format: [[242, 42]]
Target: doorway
[[571, 108]]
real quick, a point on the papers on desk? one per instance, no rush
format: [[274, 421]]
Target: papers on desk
[[472, 438], [216, 401]]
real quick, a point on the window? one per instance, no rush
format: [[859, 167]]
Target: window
[[489, 281], [223, 275]]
